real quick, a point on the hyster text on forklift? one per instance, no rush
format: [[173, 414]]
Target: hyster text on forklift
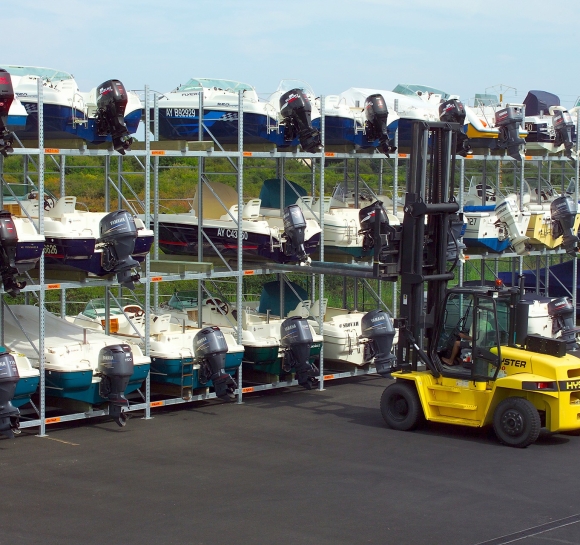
[[472, 356]]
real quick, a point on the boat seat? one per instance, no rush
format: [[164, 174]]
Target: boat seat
[[234, 213], [302, 309], [64, 205], [160, 324], [315, 308], [251, 210]]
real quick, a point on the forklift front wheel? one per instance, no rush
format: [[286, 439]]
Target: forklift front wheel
[[516, 422], [401, 407]]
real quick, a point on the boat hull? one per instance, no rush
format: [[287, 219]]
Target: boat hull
[[25, 387]]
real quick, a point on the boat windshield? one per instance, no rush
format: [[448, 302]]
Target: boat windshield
[[411, 89], [289, 84], [483, 99], [48, 74], [183, 300], [96, 307], [195, 84]]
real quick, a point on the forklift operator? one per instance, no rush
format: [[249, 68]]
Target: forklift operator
[[456, 348]]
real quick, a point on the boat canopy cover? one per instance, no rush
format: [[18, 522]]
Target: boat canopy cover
[[483, 99], [270, 193], [270, 297], [212, 208], [411, 89], [48, 74], [540, 101], [195, 84]]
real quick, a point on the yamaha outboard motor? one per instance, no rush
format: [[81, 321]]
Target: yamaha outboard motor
[[296, 110], [453, 111], [508, 121], [563, 211], [8, 242], [6, 99], [376, 326], [9, 415], [117, 236], [111, 103], [210, 349], [376, 114], [563, 319], [296, 340], [294, 229], [563, 126], [115, 367]]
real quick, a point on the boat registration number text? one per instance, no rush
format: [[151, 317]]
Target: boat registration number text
[[231, 233], [50, 249], [180, 112]]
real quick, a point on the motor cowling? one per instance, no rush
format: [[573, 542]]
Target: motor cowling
[[507, 212], [117, 236], [296, 110], [6, 99], [453, 111], [563, 317], [296, 341], [295, 231], [376, 126], [563, 127], [8, 245], [110, 116], [563, 212], [377, 327], [210, 349], [115, 365], [9, 415], [508, 121]]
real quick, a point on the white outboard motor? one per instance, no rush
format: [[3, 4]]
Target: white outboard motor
[[294, 229], [508, 121], [376, 114], [507, 212], [296, 341], [562, 313], [563, 126], [377, 327], [453, 111], [8, 242], [296, 110], [563, 211], [6, 99], [115, 367], [9, 415], [117, 236], [110, 116], [210, 349]]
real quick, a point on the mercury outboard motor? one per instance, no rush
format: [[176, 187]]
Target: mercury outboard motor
[[563, 319], [296, 340], [6, 99], [8, 242], [9, 415], [563, 126], [115, 365], [210, 349], [376, 326], [453, 111], [296, 110], [110, 116], [508, 121], [376, 114], [117, 236], [563, 211], [295, 231]]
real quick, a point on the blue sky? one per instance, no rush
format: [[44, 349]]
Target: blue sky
[[462, 48]]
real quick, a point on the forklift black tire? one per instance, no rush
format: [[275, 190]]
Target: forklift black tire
[[401, 407], [516, 422]]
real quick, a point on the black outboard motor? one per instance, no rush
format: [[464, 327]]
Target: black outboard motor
[[376, 114], [296, 110], [9, 415], [376, 326], [210, 349], [6, 99], [453, 111], [563, 126], [115, 367], [117, 236], [563, 319], [296, 340], [508, 121], [563, 211], [8, 242], [294, 229], [111, 103]]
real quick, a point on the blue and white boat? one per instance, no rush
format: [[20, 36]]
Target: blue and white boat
[[27, 383]]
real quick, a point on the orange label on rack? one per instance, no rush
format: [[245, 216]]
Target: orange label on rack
[[249, 272], [328, 377], [466, 257], [156, 279], [247, 153], [157, 152], [402, 155], [248, 390], [528, 157], [53, 286], [157, 403], [52, 420], [469, 156], [329, 154], [51, 150]]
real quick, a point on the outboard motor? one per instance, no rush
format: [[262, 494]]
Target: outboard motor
[[562, 313], [210, 349], [508, 121], [563, 126], [296, 340], [294, 229], [453, 111], [506, 213], [296, 110], [8, 242], [563, 211], [115, 367], [376, 326], [376, 114], [6, 99], [110, 116], [117, 236], [9, 415]]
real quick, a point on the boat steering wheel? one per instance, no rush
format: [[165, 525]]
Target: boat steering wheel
[[134, 309], [224, 307]]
